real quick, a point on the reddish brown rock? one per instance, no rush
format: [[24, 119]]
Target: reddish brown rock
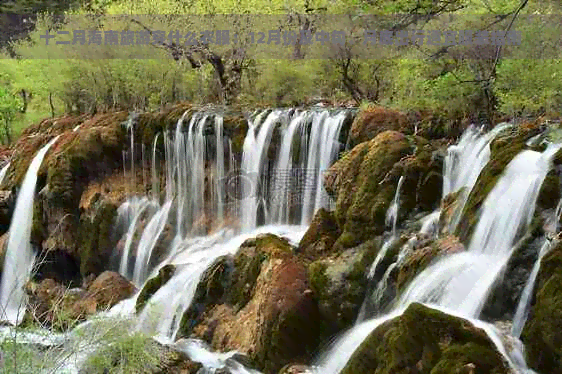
[[272, 318], [373, 120]]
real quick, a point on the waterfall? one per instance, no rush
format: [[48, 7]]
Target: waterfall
[[459, 284], [255, 148], [3, 172], [522, 311], [138, 207], [148, 240], [296, 178], [391, 220], [322, 152], [462, 281], [164, 310], [282, 186], [19, 255], [155, 178], [464, 162]]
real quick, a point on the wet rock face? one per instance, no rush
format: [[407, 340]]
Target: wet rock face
[[424, 255], [153, 285], [96, 237], [320, 236], [363, 195], [505, 295], [424, 340], [7, 203], [340, 284], [258, 303], [542, 334]]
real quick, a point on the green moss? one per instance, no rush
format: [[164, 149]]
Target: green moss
[[235, 127], [542, 334], [247, 267], [96, 242], [424, 340], [153, 285], [339, 284], [211, 290], [317, 278], [38, 227], [364, 192]]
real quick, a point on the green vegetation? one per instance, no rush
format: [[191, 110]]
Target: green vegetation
[[454, 82]]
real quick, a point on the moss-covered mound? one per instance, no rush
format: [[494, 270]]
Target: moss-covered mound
[[257, 303], [373, 120], [320, 236], [153, 285], [340, 283], [542, 334], [362, 192], [424, 340]]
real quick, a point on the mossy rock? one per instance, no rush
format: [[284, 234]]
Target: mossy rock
[[550, 192], [235, 127], [374, 120], [339, 284], [211, 289], [425, 340], [361, 186], [96, 241], [542, 334], [321, 235], [153, 285], [421, 258], [503, 149]]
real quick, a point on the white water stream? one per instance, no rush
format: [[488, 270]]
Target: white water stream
[[18, 261]]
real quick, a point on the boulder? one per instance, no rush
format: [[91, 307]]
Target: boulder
[[108, 289], [339, 283], [51, 304], [542, 333], [425, 340], [359, 183], [154, 284], [374, 120], [258, 303], [321, 235], [420, 258]]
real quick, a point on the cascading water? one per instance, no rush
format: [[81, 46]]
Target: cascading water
[[464, 162], [391, 220], [459, 284], [164, 310], [524, 305], [187, 191], [3, 172], [296, 179], [523, 308], [462, 281], [19, 255]]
